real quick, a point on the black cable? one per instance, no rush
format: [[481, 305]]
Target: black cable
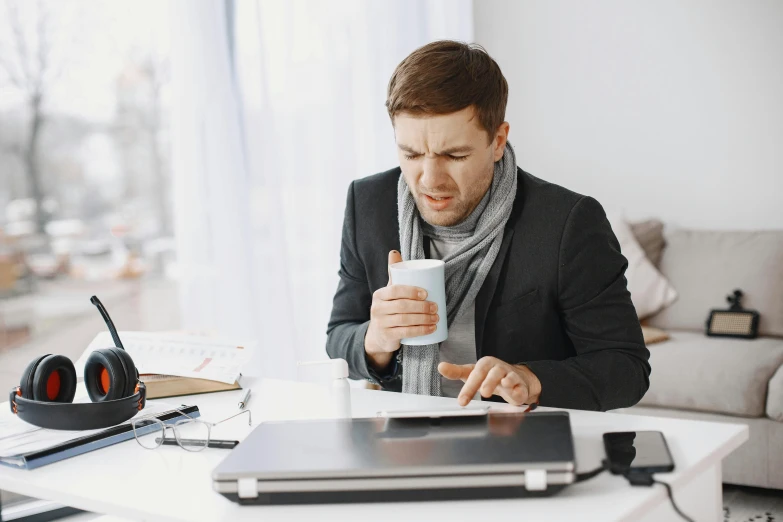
[[635, 479], [671, 498], [639, 478], [590, 474]]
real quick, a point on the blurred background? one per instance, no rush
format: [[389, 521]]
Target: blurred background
[[188, 161]]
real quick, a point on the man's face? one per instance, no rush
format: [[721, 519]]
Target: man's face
[[447, 162]]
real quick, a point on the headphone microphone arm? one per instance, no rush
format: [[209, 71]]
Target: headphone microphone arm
[[112, 330]]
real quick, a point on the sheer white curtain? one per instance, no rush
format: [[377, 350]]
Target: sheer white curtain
[[310, 81], [210, 181]]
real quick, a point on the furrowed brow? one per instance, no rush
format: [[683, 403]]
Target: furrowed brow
[[456, 150], [460, 149], [408, 149]]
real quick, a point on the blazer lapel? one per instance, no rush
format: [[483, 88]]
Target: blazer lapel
[[487, 290]]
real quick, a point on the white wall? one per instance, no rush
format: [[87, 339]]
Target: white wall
[[667, 108]]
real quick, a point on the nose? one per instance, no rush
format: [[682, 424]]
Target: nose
[[433, 173]]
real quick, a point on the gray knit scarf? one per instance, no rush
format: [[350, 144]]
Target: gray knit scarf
[[479, 236]]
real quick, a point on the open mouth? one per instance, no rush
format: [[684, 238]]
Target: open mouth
[[437, 203]]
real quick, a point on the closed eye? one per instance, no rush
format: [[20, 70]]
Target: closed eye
[[452, 157]]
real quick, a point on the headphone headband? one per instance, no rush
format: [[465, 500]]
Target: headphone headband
[[78, 416]]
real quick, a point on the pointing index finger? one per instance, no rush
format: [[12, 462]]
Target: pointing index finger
[[472, 384]]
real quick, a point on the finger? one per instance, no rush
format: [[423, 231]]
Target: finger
[[394, 257], [402, 332], [520, 394], [514, 389], [473, 383], [455, 371], [393, 321], [406, 306], [515, 396], [392, 292], [510, 380], [492, 381]]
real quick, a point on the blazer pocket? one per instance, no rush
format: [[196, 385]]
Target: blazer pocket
[[510, 319], [518, 303]]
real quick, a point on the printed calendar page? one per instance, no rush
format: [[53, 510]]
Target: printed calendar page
[[201, 357]]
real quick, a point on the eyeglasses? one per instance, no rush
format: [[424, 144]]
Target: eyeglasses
[[190, 433]]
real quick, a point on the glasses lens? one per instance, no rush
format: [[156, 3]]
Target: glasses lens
[[193, 435], [147, 431]]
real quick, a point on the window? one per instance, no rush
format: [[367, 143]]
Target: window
[[85, 184]]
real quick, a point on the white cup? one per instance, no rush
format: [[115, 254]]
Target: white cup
[[429, 274]]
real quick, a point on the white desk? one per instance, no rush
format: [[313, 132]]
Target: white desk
[[171, 484]]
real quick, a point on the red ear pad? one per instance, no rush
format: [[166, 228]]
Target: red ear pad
[[54, 380], [53, 385], [129, 368], [100, 365], [26, 382], [104, 381]]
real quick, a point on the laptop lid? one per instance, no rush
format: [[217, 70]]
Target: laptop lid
[[382, 448]]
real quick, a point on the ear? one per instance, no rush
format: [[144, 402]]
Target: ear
[[499, 142]]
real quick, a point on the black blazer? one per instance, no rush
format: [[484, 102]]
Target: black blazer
[[555, 298]]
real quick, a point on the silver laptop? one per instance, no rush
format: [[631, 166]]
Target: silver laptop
[[390, 459]]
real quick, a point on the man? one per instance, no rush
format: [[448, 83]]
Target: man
[[538, 310]]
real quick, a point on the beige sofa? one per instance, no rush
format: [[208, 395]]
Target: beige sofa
[[720, 379]]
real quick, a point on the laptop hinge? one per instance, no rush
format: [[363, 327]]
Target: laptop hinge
[[247, 487], [535, 479]]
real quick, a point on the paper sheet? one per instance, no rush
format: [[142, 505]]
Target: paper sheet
[[216, 359]]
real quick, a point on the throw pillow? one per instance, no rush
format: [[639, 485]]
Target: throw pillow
[[650, 291], [649, 234]]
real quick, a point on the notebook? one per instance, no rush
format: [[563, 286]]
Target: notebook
[[173, 364], [25, 446], [159, 386]]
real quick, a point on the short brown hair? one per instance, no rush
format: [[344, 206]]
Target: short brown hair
[[446, 76]]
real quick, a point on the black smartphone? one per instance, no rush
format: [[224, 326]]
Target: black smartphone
[[637, 452]]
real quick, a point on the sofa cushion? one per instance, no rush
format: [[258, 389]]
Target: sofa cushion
[[706, 266], [694, 372], [775, 396]]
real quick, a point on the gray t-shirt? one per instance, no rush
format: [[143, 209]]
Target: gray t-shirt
[[460, 347]]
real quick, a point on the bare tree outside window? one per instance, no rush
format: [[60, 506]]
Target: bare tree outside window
[[27, 65]]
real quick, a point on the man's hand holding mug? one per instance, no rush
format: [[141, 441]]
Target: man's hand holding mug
[[397, 312]]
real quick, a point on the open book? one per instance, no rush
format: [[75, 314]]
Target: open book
[[172, 364]]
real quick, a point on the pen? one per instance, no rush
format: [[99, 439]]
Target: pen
[[213, 443], [244, 400]]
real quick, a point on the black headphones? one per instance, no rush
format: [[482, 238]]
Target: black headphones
[[48, 385]]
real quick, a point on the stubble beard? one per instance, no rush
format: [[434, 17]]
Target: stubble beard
[[461, 207]]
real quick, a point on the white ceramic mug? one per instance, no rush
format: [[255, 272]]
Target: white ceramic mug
[[429, 274]]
